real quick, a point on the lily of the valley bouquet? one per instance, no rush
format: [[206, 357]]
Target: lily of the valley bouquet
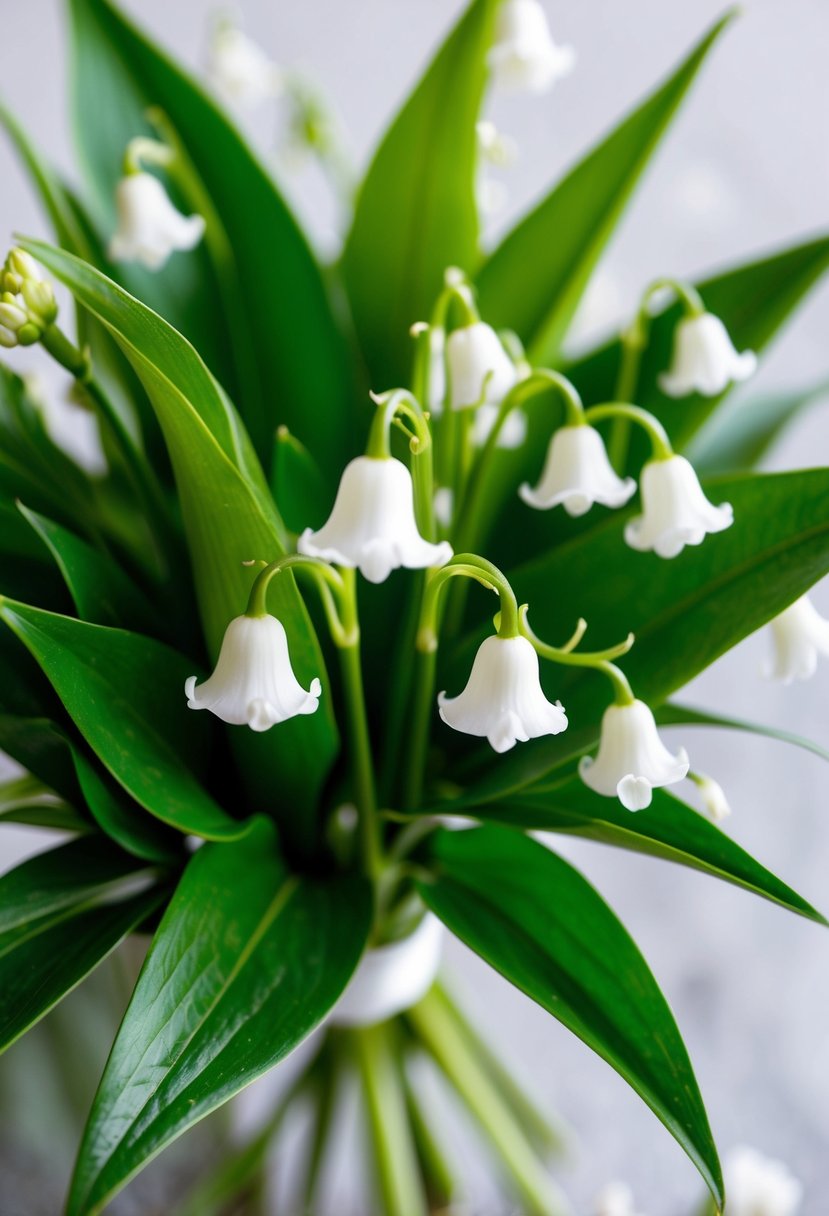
[[375, 586]]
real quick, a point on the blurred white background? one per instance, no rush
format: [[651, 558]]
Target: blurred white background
[[744, 170]]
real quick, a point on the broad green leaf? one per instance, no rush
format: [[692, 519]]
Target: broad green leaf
[[667, 829], [103, 594], [269, 303], [39, 745], [533, 281], [535, 919], [229, 518], [685, 613], [80, 872], [44, 958], [234, 980], [123, 820], [27, 800], [25, 569], [416, 212], [125, 694], [754, 300], [739, 436], [685, 715]]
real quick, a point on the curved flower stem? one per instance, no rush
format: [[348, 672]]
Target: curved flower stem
[[599, 660], [140, 473], [398, 1173], [441, 1037], [541, 380], [653, 428], [634, 341], [392, 407], [466, 565], [331, 585]]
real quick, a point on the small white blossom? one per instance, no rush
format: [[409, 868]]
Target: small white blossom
[[436, 384], [372, 524], [704, 359], [511, 435], [713, 797], [494, 146], [253, 683], [524, 55], [390, 979], [577, 473], [675, 512], [444, 502], [503, 700], [798, 636], [149, 226], [615, 1199], [759, 1186], [239, 70], [480, 370], [632, 760]]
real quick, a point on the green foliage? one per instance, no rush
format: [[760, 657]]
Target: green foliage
[[537, 921], [232, 983]]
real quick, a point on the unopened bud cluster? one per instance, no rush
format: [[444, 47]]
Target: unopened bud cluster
[[27, 302]]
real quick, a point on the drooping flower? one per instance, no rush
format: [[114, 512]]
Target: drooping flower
[[713, 797], [758, 1186], [704, 359], [524, 55], [149, 226], [675, 512], [632, 760], [480, 370], [253, 683], [239, 70], [393, 977], [503, 700], [372, 524], [798, 636], [577, 473]]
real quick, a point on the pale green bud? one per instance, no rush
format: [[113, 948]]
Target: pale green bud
[[7, 338], [24, 265], [12, 315], [40, 300], [10, 282], [29, 334]]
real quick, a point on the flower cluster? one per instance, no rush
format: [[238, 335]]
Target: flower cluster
[[27, 301]]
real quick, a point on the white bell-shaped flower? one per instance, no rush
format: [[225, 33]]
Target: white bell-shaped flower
[[503, 700], [704, 359], [253, 684], [524, 55], [798, 635], [480, 370], [149, 226], [372, 524], [713, 797], [675, 512], [632, 760], [511, 435], [239, 70], [577, 473], [759, 1186]]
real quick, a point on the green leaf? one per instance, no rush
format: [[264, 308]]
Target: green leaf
[[123, 820], [667, 829], [685, 613], [229, 518], [416, 212], [533, 281], [61, 913], [532, 917], [234, 981], [39, 745], [753, 300], [739, 436], [103, 594], [685, 715], [125, 693], [292, 362], [27, 800]]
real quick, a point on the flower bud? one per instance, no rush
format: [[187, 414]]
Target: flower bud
[[40, 300]]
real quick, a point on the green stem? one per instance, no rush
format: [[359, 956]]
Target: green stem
[[398, 1175], [599, 660], [441, 1183], [440, 1035], [359, 738], [325, 1108], [653, 428]]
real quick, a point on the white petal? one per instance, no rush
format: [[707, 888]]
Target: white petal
[[634, 793]]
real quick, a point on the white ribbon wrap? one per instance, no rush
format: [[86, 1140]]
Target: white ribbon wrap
[[392, 978]]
